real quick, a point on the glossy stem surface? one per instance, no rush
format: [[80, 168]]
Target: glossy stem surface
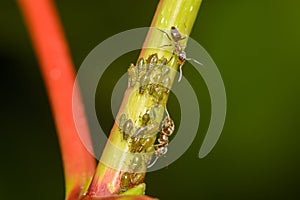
[[58, 73]]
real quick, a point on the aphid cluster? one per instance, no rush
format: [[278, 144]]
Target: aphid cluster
[[175, 38], [125, 125], [140, 140], [147, 126], [151, 76]]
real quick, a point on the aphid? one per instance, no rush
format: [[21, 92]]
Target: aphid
[[152, 113], [152, 61], [156, 78], [125, 181], [127, 128], [122, 120], [140, 65], [178, 50], [136, 145], [146, 131], [163, 61], [133, 75], [145, 119], [152, 88], [165, 70], [155, 88], [128, 180], [137, 178], [167, 130], [159, 95], [166, 82], [144, 80], [136, 163], [142, 144]]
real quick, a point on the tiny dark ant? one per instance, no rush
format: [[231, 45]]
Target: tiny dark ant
[[167, 130], [178, 50]]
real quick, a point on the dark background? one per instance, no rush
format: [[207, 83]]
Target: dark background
[[254, 43]]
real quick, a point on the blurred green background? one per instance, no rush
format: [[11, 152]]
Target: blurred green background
[[254, 43]]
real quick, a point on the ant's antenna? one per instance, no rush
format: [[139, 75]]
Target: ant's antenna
[[194, 60], [180, 73], [180, 67]]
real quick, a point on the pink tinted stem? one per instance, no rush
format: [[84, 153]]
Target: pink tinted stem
[[58, 73]]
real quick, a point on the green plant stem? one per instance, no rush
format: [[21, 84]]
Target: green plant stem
[[178, 13]]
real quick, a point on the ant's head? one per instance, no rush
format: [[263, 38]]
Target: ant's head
[[182, 56]]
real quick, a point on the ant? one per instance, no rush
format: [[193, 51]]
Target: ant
[[178, 50], [167, 130]]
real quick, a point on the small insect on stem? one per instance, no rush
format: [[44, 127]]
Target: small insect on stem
[[129, 180], [178, 49], [167, 130]]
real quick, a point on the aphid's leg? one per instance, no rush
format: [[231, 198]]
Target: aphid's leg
[[164, 32], [194, 60]]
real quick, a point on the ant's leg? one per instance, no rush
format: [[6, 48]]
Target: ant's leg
[[166, 45], [185, 30], [180, 73], [156, 154], [154, 161], [183, 38], [167, 112], [157, 146], [183, 46], [164, 32], [171, 57], [186, 33], [161, 150]]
